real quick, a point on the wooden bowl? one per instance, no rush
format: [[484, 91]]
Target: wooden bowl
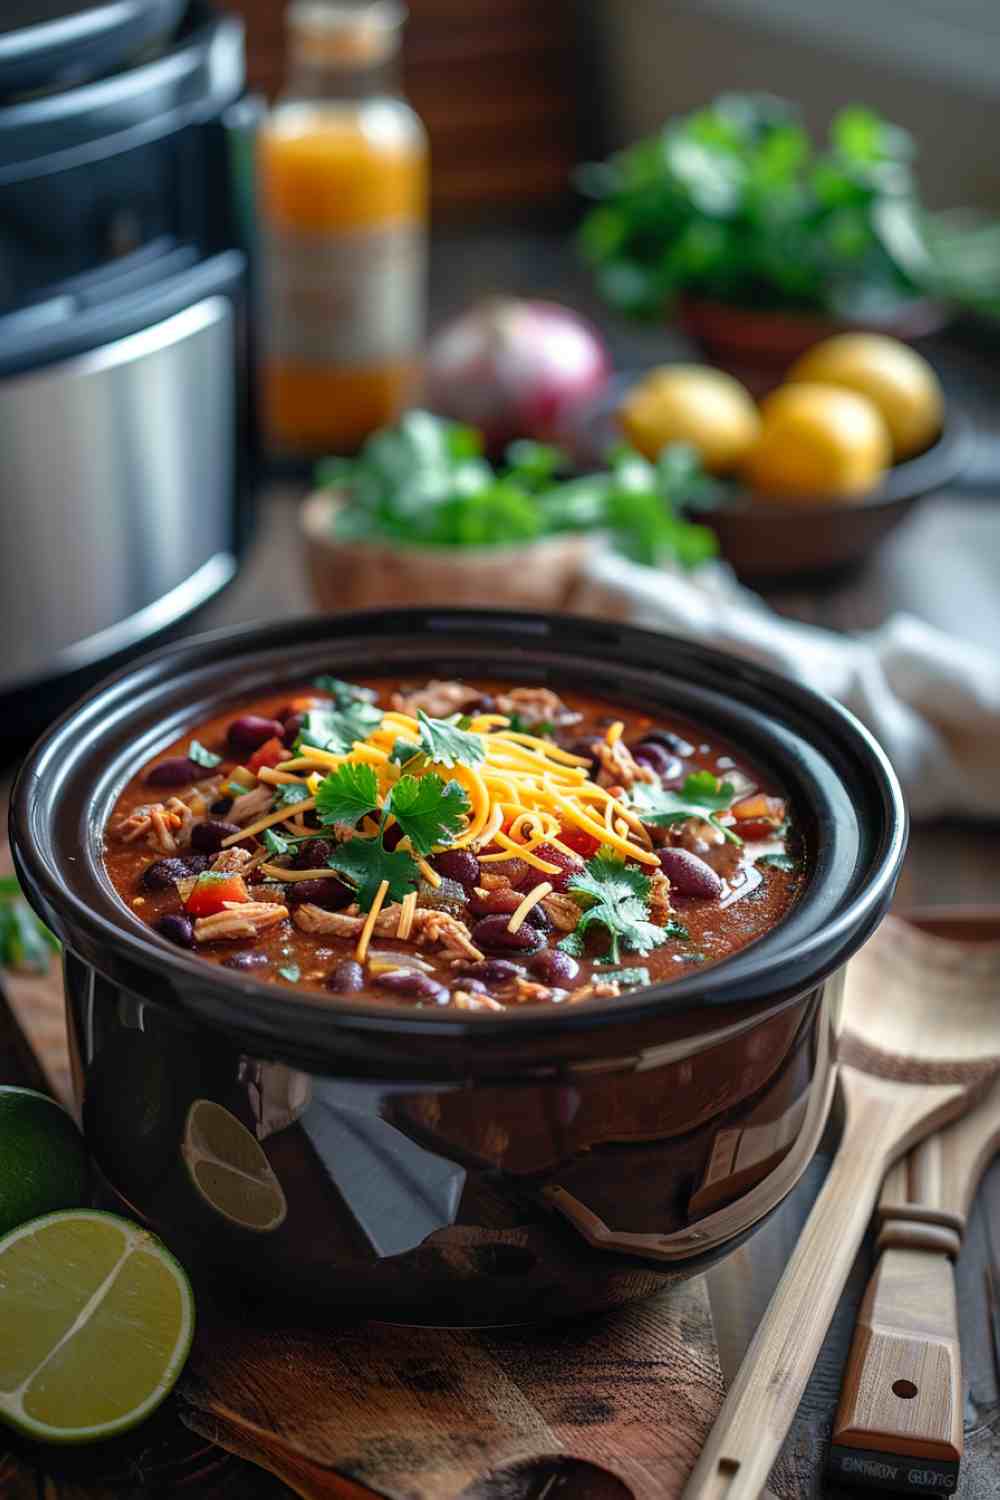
[[348, 575]]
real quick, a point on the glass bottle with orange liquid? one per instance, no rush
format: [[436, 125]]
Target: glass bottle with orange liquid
[[343, 202]]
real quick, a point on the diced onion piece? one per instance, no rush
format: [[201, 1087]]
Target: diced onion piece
[[382, 960]]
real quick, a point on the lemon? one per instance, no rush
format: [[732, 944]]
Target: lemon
[[818, 443], [895, 377], [97, 1320], [691, 404], [229, 1170], [43, 1161]]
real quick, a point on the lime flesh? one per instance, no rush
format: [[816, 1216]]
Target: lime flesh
[[97, 1321], [229, 1170]]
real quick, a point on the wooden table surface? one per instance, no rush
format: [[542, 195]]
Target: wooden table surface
[[944, 566]]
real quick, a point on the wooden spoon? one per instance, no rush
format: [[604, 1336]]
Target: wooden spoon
[[919, 1047], [902, 1392]]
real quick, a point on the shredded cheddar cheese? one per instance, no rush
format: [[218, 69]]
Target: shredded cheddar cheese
[[427, 871], [544, 888], [361, 951], [281, 816], [406, 912]]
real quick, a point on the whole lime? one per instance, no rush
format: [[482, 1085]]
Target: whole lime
[[43, 1160]]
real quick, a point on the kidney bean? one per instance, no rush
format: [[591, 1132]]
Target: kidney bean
[[331, 894], [208, 837], [346, 978], [177, 929], [552, 966], [312, 855], [659, 759], [492, 971], [459, 865], [674, 742], [221, 806], [392, 836], [250, 731], [293, 728], [249, 960], [163, 874], [493, 934], [412, 982], [473, 986], [569, 865], [505, 902], [689, 875], [177, 771]]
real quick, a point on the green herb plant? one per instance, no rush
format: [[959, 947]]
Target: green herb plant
[[25, 944]]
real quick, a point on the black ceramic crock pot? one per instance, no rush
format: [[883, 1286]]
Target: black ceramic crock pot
[[434, 1167]]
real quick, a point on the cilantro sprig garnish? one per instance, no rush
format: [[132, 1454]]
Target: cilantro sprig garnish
[[779, 861], [343, 693], [702, 796], [614, 896], [428, 810], [338, 729], [288, 794], [447, 743], [203, 757], [25, 944]]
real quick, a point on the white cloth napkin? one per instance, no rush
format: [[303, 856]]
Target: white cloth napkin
[[932, 700]]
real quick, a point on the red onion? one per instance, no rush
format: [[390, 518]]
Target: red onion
[[515, 369]]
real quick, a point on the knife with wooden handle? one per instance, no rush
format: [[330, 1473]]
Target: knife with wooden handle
[[899, 1423]]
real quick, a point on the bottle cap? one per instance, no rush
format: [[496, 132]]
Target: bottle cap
[[337, 33]]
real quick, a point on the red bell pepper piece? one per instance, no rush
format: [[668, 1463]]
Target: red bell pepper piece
[[271, 753], [212, 890]]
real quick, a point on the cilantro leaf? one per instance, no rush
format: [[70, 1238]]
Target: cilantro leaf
[[291, 972], [702, 796], [366, 863], [428, 810], [274, 843], [25, 944], [614, 896], [288, 794], [347, 795], [627, 978], [520, 725], [403, 751], [337, 729], [343, 693], [203, 757], [778, 861], [446, 744]]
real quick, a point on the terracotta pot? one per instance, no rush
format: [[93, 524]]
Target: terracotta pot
[[742, 338], [356, 574]]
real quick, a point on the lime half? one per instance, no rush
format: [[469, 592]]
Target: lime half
[[43, 1161], [229, 1169], [97, 1320]]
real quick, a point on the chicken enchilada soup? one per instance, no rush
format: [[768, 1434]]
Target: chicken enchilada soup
[[479, 845]]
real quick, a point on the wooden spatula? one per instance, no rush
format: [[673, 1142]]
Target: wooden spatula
[[918, 1041], [899, 1423]]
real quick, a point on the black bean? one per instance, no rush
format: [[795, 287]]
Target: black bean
[[208, 837], [492, 970], [221, 806], [672, 741], [552, 966], [412, 982], [689, 875], [312, 855], [293, 728], [250, 731], [659, 759], [458, 864], [248, 960], [331, 894], [493, 934], [347, 977], [177, 771], [177, 929], [163, 874]]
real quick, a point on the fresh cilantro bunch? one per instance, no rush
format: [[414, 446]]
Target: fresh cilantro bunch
[[735, 203], [25, 944], [615, 896], [702, 796], [338, 728], [428, 810], [426, 483]]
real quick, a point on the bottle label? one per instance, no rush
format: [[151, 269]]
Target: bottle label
[[348, 299]]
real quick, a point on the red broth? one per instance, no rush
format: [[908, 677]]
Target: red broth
[[695, 854]]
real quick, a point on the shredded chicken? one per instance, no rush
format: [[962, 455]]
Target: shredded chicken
[[618, 767], [529, 992], [489, 882], [660, 910], [697, 835], [601, 989], [462, 1000], [562, 909], [240, 919], [251, 805], [233, 861], [538, 705], [439, 699], [165, 826], [428, 926]]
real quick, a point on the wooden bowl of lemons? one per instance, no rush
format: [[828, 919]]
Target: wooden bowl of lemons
[[814, 475]]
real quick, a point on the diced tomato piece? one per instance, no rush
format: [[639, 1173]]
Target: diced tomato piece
[[577, 838], [758, 816], [212, 890], [271, 753]]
